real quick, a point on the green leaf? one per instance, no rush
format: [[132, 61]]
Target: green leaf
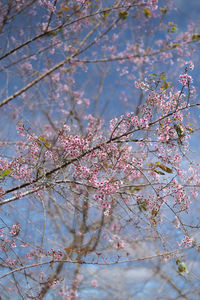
[[165, 168], [51, 33], [154, 212], [159, 172], [153, 74], [137, 188], [142, 205], [196, 37], [123, 14], [164, 85], [48, 175], [147, 13], [164, 10], [173, 27], [175, 45], [181, 267], [105, 14], [65, 8], [191, 130], [180, 130], [43, 142], [5, 173], [162, 75]]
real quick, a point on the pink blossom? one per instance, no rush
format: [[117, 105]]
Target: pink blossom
[[185, 79], [176, 222], [94, 283], [186, 241], [11, 262], [191, 65], [15, 230], [13, 245]]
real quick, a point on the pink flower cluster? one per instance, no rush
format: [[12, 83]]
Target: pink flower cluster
[[11, 262], [105, 186], [73, 145], [82, 171], [153, 4], [15, 229], [57, 254], [185, 79], [94, 283], [186, 242], [49, 4], [54, 254], [103, 203], [68, 293]]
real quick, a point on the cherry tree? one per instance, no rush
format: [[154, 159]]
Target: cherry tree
[[99, 168]]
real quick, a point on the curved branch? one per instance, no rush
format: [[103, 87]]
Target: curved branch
[[93, 263]]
